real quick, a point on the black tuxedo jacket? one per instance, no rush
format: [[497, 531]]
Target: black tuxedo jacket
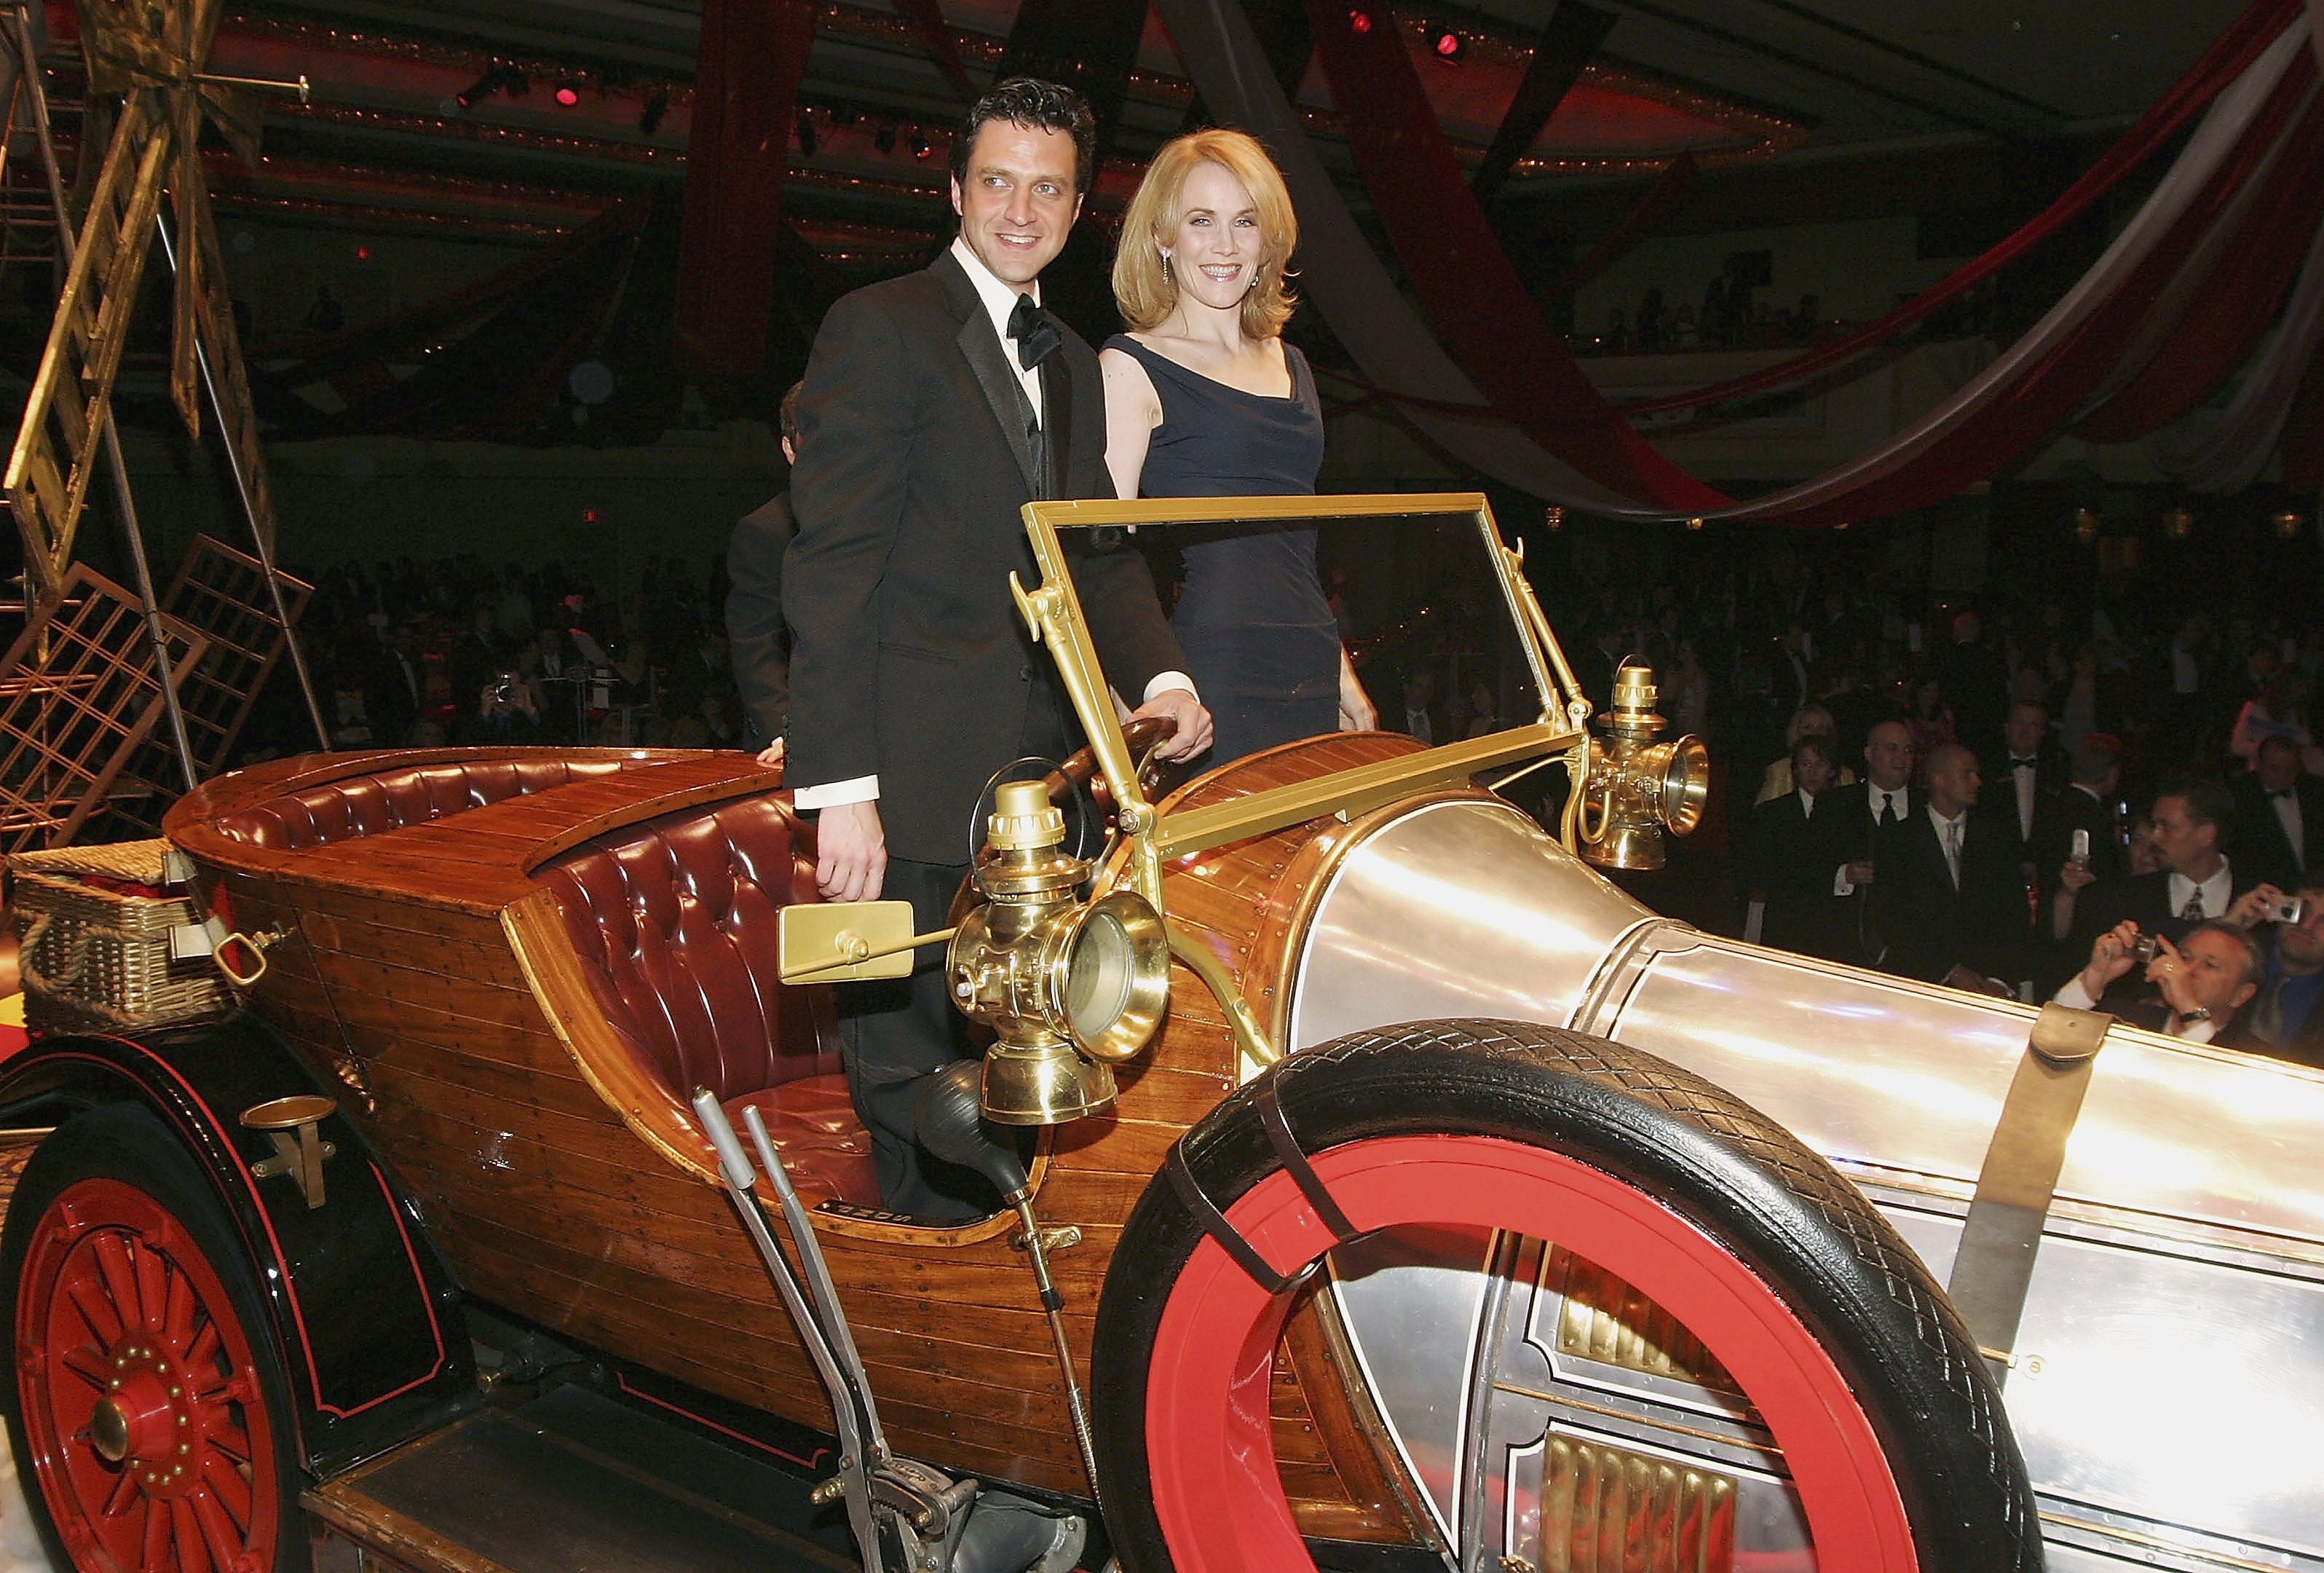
[[1998, 800], [1931, 927], [1845, 832], [1784, 857], [908, 659], [2075, 809], [758, 641], [2260, 845]]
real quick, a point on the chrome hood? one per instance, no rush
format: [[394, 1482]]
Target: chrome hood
[[1468, 908]]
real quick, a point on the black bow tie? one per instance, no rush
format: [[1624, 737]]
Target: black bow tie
[[1036, 332], [2018, 764]]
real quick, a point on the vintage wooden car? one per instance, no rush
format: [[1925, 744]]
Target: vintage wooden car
[[1460, 1212]]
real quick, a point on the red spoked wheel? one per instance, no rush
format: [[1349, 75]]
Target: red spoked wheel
[[1893, 1436], [144, 1407]]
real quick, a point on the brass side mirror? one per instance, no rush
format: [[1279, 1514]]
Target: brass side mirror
[[844, 941]]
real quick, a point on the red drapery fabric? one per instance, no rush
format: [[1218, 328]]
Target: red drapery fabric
[[753, 55], [2236, 302], [928, 21], [2233, 52], [1473, 296], [2021, 413], [1671, 188]]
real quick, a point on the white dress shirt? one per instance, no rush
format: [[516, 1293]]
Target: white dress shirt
[[1001, 299], [2025, 777], [2074, 997], [2218, 891], [998, 299]]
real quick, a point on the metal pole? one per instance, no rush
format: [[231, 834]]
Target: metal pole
[[257, 535], [38, 97]]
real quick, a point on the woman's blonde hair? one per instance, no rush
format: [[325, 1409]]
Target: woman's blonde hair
[[1144, 289]]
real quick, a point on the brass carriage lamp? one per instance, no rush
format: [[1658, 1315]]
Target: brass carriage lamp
[[1067, 985], [1637, 788]]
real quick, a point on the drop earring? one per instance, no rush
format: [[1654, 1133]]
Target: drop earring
[[1165, 265]]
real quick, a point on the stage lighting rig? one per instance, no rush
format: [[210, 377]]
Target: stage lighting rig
[[1446, 44]]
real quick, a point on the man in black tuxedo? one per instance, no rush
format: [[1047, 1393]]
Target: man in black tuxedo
[[1784, 858], [1849, 829], [936, 405], [758, 641], [2192, 816], [2280, 816], [2199, 986], [2024, 780], [1948, 896], [2084, 816]]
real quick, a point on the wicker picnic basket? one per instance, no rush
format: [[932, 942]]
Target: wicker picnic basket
[[100, 959]]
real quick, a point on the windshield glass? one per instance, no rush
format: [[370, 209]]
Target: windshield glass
[[1267, 596]]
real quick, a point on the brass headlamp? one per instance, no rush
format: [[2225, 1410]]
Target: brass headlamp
[[1067, 985], [1637, 787]]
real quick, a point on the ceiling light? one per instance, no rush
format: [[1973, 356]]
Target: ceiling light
[[1446, 44], [920, 148], [569, 94]]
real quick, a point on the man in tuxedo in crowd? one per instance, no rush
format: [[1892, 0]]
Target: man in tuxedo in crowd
[[2280, 816], [2287, 1014], [2023, 781], [936, 405], [2089, 804], [758, 641], [2085, 817], [2192, 818], [1785, 858], [1850, 830], [2196, 989], [1948, 896]]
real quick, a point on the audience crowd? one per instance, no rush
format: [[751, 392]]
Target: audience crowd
[[2122, 806]]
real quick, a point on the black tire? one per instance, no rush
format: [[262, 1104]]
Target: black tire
[[124, 1176], [1832, 1263]]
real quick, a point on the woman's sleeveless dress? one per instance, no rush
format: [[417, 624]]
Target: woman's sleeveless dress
[[1258, 632]]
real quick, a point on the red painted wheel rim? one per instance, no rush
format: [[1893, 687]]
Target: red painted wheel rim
[[116, 1304], [1210, 1442]]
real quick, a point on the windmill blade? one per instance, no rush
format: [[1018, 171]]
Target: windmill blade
[[238, 114], [187, 190], [214, 322], [128, 44], [57, 446]]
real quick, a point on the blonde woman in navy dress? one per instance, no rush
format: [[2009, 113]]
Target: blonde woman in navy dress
[[1204, 399]]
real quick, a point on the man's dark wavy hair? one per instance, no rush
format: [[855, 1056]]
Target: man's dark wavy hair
[[1035, 105]]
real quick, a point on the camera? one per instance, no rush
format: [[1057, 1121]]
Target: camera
[[2289, 910], [2145, 947]]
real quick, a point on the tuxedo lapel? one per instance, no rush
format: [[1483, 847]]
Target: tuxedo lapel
[[1002, 391]]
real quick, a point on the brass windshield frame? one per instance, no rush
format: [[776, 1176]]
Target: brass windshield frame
[[1053, 613]]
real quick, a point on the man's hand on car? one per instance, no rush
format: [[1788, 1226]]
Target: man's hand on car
[[851, 852], [1194, 734]]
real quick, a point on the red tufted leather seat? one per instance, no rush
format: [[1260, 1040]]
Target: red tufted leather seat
[[674, 921], [365, 805]]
